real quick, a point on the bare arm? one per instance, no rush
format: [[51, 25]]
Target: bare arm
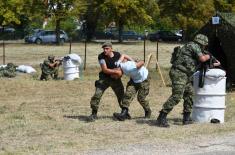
[[217, 63], [124, 56], [106, 70], [204, 57], [139, 64], [54, 64]]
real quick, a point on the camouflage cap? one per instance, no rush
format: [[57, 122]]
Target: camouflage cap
[[51, 57], [107, 44], [201, 39]]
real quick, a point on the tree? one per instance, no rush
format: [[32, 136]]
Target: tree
[[223, 5], [10, 11], [188, 15], [126, 12], [91, 17], [59, 10]]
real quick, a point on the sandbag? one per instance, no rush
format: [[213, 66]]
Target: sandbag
[[75, 58], [25, 69]]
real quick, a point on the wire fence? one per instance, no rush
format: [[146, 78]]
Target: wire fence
[[20, 53]]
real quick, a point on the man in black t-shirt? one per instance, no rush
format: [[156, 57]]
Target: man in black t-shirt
[[107, 61]]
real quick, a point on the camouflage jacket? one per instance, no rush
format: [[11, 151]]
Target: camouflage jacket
[[46, 69], [188, 58]]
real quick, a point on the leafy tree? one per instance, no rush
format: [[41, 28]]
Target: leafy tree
[[223, 5], [91, 17], [188, 15], [126, 12], [9, 11], [19, 13], [59, 10]]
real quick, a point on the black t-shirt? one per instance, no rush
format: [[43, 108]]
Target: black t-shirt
[[110, 62]]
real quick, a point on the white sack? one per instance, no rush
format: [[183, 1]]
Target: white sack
[[74, 57], [25, 69]]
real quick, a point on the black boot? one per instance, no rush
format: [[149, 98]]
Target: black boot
[[186, 118], [93, 116], [147, 113], [161, 120], [123, 115]]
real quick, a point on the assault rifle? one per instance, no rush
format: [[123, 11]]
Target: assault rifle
[[203, 67]]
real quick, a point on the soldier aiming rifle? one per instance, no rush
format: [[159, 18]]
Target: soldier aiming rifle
[[50, 68]]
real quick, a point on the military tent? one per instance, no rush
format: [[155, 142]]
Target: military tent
[[221, 34]]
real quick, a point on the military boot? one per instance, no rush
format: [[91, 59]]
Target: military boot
[[93, 116], [147, 113], [161, 120], [123, 115], [186, 118]]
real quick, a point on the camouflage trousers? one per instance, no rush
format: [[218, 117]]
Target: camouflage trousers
[[181, 88], [141, 89], [101, 85], [52, 73]]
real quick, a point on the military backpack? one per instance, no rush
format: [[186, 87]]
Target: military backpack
[[176, 54]]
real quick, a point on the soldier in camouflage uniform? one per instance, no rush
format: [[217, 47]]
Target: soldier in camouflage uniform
[[107, 61], [139, 83], [184, 64], [50, 68], [8, 71]]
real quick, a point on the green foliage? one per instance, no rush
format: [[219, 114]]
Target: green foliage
[[126, 12], [60, 10], [68, 25], [222, 6], [10, 11], [189, 15]]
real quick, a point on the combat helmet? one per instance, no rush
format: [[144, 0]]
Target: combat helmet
[[51, 57], [201, 39]]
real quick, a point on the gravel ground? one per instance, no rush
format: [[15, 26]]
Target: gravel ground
[[220, 145]]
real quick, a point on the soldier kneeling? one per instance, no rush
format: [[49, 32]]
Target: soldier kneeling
[[50, 68]]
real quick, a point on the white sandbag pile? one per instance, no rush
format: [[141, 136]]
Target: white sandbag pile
[[71, 63], [25, 69]]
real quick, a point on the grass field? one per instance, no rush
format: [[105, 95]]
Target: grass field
[[49, 117]]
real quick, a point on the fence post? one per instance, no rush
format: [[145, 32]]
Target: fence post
[[3, 46], [85, 55]]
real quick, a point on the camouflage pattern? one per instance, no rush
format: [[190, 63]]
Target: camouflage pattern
[[142, 89], [181, 88], [48, 71], [201, 39], [8, 71], [181, 77], [101, 85], [187, 62]]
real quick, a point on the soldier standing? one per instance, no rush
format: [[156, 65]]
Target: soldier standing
[[184, 64], [138, 84], [50, 67], [107, 61]]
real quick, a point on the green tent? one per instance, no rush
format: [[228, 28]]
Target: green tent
[[221, 34]]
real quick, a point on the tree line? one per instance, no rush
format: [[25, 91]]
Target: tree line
[[188, 15]]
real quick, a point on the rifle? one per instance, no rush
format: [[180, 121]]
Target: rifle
[[203, 67]]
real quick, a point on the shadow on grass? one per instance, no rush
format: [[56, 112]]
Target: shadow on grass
[[85, 118], [153, 122]]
